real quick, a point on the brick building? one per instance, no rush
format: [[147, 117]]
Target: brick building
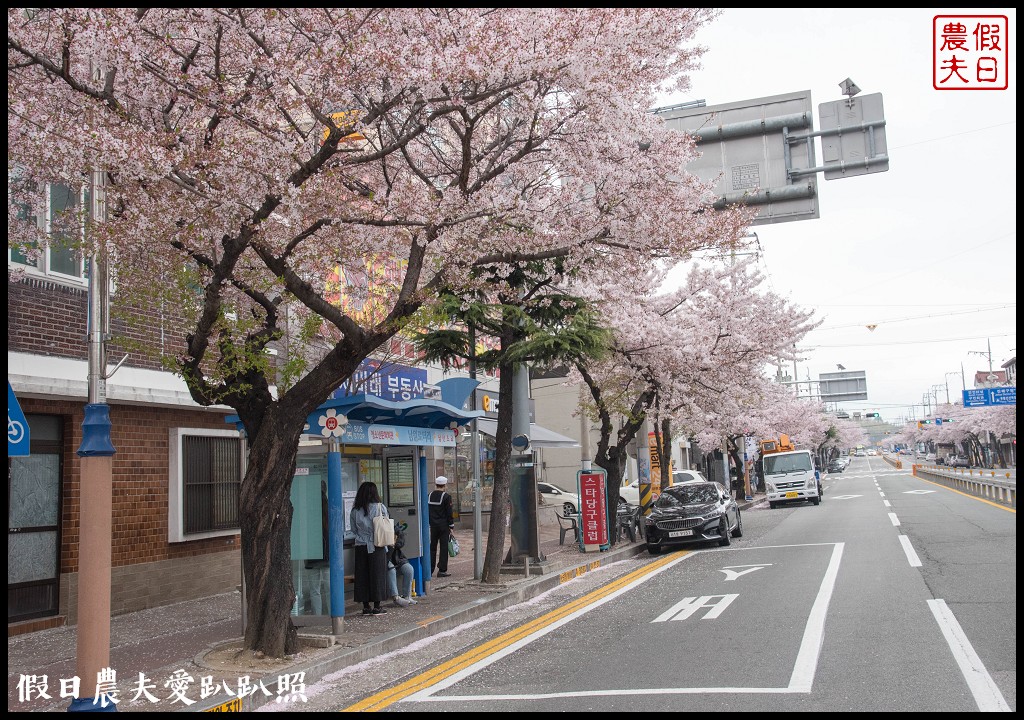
[[175, 472]]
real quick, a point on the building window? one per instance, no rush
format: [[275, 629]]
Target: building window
[[64, 223], [206, 472]]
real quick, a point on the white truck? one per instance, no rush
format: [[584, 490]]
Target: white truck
[[789, 474]]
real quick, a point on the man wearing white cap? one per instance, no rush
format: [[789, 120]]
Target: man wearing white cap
[[442, 521]]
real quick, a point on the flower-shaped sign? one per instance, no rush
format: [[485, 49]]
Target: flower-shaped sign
[[332, 424]]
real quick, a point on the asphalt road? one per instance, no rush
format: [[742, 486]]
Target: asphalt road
[[895, 594]]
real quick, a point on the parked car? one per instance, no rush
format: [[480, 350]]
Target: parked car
[[684, 476], [958, 461], [836, 466], [692, 512], [567, 502], [930, 457], [631, 493]]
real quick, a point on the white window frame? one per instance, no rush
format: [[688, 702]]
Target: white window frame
[[176, 485], [42, 267]]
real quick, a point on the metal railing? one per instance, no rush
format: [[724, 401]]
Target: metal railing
[[992, 485]]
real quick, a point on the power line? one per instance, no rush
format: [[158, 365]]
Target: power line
[[932, 305], [905, 342], [915, 317], [946, 137]]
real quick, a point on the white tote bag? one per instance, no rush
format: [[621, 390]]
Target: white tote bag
[[383, 529]]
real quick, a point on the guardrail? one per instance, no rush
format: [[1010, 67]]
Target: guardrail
[[989, 484], [895, 462]]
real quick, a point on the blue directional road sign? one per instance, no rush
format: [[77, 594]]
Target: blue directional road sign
[[974, 398], [980, 397], [1002, 395], [17, 427]]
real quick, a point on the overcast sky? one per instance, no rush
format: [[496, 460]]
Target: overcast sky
[[926, 251]]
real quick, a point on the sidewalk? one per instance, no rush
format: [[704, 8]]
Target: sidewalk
[[201, 638]]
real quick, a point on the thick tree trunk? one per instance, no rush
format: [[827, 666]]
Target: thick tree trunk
[[614, 465], [737, 477], [265, 509], [501, 490]]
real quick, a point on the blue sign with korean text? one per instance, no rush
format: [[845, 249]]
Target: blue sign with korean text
[[388, 381], [980, 397], [357, 433], [18, 441], [974, 398], [1002, 395]]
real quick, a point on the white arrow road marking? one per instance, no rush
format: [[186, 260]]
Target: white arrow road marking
[[731, 574], [688, 606], [918, 492]]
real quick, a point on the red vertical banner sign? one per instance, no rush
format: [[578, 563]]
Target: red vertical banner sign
[[593, 511]]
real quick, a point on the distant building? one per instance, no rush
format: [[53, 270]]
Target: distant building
[[984, 378], [1010, 368]]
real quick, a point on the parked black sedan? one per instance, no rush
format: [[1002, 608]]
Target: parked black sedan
[[836, 466], [692, 512]]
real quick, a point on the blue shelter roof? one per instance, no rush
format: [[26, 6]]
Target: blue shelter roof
[[421, 412]]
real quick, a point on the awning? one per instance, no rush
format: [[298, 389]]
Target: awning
[[540, 437]]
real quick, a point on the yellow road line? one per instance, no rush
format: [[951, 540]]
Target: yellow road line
[[445, 670], [967, 495]]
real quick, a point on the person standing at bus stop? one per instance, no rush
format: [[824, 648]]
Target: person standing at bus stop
[[442, 522]]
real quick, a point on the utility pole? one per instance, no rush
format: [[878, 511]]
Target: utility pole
[[954, 372], [991, 378], [478, 541], [96, 503]]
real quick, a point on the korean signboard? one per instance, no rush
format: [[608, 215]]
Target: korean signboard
[[593, 511]]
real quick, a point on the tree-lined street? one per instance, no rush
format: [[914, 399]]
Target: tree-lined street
[[892, 595]]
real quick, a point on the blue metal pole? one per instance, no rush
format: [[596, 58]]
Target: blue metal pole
[[336, 535]]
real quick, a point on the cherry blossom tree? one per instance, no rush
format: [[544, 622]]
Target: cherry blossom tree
[[765, 410], [687, 358], [969, 427], [252, 157]]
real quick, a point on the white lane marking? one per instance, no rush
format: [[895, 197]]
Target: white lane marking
[[895, 520], [912, 557], [845, 497], [800, 682], [802, 678], [983, 687], [917, 492], [881, 493], [887, 503]]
